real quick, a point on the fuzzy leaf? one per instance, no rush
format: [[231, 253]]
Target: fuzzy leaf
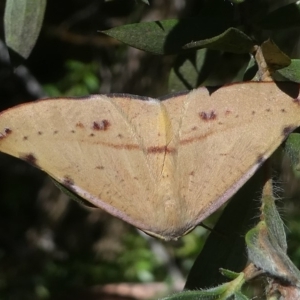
[[229, 274], [240, 296], [265, 253], [292, 150], [273, 221]]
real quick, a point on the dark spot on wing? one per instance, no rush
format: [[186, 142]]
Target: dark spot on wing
[[283, 110], [92, 134], [30, 158], [68, 181], [253, 112], [287, 130], [72, 131], [55, 131], [120, 135], [40, 133], [208, 116], [268, 109], [260, 160], [25, 138], [228, 112], [80, 125], [102, 125], [194, 128], [7, 130], [100, 167]]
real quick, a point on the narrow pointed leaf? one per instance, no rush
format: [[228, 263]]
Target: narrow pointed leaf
[[22, 24], [224, 291], [229, 274], [232, 40], [209, 294], [167, 36], [273, 221]]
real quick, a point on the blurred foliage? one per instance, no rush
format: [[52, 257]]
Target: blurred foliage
[[80, 80], [51, 248]]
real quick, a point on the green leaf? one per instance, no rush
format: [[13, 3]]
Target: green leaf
[[222, 292], [284, 17], [250, 70], [225, 246], [229, 274], [232, 40], [291, 72], [292, 150], [228, 68], [273, 221], [240, 296], [22, 24], [192, 69], [210, 294], [207, 67], [265, 253], [274, 57], [167, 36]]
